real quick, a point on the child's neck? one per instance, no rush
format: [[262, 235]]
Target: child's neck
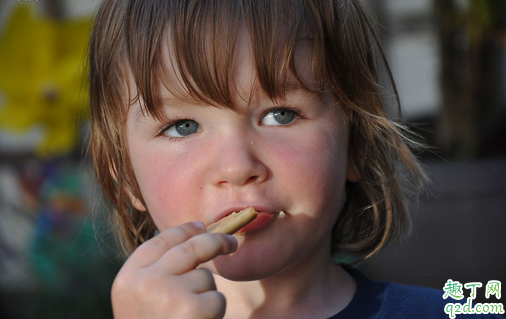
[[316, 288]]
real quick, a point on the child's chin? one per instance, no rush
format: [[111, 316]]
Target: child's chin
[[242, 269]]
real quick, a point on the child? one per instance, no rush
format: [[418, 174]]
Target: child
[[202, 108]]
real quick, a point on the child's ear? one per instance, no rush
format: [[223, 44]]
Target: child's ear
[[352, 172], [136, 203]]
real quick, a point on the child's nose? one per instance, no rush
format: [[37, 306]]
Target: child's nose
[[239, 164]]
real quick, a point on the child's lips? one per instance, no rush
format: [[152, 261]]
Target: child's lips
[[263, 219], [264, 213], [237, 209]]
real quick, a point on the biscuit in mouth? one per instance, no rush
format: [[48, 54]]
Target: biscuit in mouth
[[233, 222]]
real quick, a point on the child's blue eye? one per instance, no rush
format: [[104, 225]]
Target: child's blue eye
[[279, 117], [182, 128]]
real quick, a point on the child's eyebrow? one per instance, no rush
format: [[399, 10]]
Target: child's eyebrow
[[177, 102], [140, 115], [162, 105], [298, 91]]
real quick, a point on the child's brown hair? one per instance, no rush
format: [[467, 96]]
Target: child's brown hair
[[128, 38]]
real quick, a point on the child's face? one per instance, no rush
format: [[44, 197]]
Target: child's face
[[290, 157]]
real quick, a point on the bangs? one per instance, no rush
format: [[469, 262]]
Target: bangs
[[190, 47]]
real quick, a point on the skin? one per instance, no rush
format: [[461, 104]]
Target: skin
[[238, 158]]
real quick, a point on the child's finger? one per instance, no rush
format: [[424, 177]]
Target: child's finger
[[150, 251], [197, 250], [215, 304], [198, 280]]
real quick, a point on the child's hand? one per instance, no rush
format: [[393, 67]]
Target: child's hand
[[160, 279]]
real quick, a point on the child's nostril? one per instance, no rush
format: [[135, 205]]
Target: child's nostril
[[251, 179]]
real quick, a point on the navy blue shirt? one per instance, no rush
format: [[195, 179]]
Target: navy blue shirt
[[387, 300]]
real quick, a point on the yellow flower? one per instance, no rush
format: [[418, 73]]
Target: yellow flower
[[43, 78]]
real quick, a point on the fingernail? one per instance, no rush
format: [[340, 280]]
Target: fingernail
[[199, 225], [233, 242]]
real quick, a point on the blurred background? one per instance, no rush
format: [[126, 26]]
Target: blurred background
[[57, 261]]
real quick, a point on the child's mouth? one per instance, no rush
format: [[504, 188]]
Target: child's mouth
[[245, 221], [233, 222], [263, 220]]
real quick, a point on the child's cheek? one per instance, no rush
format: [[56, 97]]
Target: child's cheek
[[315, 162], [170, 189]]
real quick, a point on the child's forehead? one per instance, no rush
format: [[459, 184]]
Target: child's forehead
[[176, 82]]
